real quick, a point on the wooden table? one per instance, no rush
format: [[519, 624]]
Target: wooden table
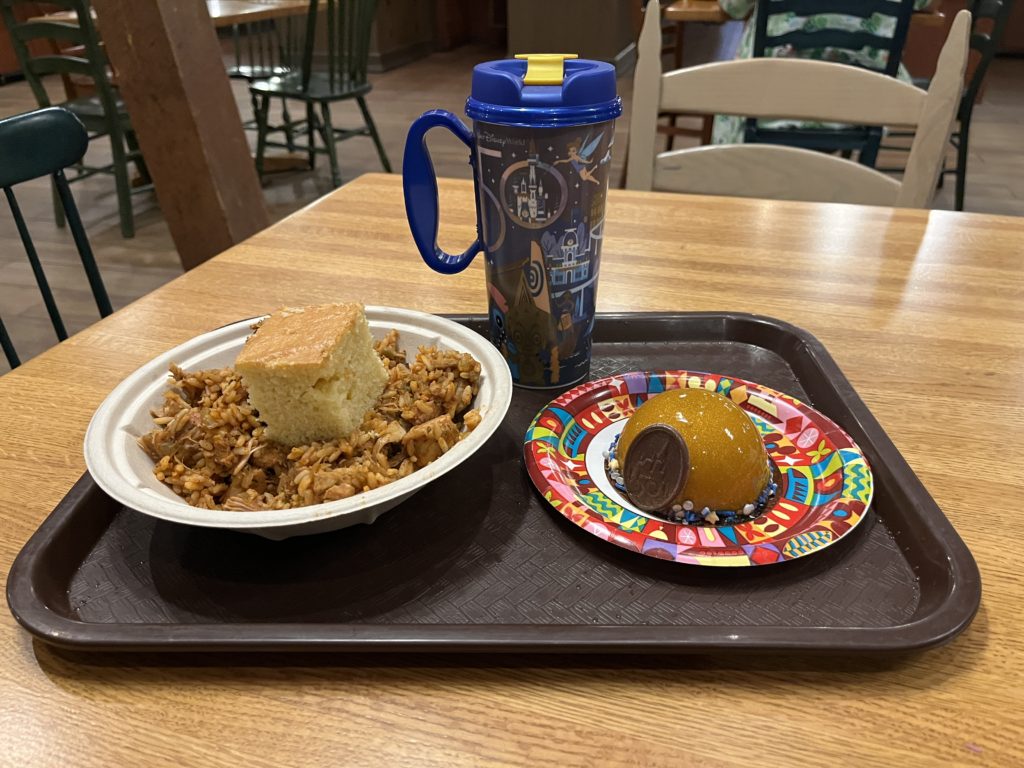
[[925, 313], [224, 13]]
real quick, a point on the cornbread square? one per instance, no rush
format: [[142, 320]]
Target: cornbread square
[[312, 372]]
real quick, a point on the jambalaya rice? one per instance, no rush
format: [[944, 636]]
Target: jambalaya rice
[[209, 444]]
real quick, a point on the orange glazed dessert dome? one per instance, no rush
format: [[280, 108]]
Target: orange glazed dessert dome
[[693, 455]]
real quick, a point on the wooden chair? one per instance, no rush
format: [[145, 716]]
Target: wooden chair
[[803, 43], [343, 77], [802, 89], [34, 145], [262, 50], [102, 113]]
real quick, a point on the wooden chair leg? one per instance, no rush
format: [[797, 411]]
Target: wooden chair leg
[[255, 106], [140, 162], [8, 347], [961, 164], [262, 127], [58, 210], [122, 184], [327, 133], [311, 129], [373, 133], [286, 122]]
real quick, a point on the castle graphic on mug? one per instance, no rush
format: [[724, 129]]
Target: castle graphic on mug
[[543, 244], [530, 201]]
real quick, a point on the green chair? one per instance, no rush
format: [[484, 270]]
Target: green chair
[[342, 77], [810, 41], [34, 145], [266, 49], [102, 114]]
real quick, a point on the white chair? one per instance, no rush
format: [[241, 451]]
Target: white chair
[[799, 89]]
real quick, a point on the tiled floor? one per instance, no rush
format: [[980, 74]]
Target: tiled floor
[[132, 268]]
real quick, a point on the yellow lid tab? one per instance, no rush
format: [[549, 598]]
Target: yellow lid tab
[[545, 68]]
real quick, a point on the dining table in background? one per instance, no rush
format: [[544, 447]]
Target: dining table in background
[[223, 13], [921, 309]]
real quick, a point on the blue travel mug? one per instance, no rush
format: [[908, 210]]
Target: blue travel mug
[[541, 148]]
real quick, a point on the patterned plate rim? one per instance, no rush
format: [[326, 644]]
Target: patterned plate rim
[[582, 514]]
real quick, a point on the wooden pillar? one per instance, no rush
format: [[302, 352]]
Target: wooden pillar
[[172, 78]]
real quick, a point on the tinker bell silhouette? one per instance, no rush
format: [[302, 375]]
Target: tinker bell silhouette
[[581, 152]]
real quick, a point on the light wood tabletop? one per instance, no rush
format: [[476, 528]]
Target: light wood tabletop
[[923, 310], [224, 13]]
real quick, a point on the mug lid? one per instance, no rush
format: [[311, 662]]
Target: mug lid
[[544, 90]]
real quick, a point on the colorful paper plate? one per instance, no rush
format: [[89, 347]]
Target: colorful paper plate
[[824, 492]]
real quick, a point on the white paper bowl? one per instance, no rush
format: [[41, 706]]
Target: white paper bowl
[[124, 471]]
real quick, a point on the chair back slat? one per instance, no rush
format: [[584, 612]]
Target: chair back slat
[[332, 40], [830, 38], [862, 9], [309, 44], [40, 66], [790, 88], [347, 26], [52, 30], [63, 5], [800, 43], [767, 171]]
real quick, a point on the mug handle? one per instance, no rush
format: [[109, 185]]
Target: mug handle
[[420, 184]]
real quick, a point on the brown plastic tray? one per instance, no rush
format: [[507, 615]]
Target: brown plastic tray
[[477, 561]]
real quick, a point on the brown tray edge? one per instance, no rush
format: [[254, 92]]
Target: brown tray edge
[[942, 624]]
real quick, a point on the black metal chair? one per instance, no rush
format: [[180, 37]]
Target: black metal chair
[[103, 114], [344, 77], [804, 42], [33, 145], [988, 23]]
